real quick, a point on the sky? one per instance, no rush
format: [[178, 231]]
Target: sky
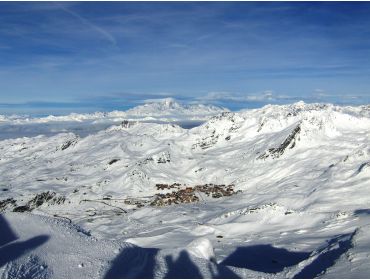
[[58, 57]]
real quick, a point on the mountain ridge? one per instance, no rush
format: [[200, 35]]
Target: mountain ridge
[[162, 109]]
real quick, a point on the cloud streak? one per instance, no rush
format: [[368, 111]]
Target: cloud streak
[[265, 96], [105, 34]]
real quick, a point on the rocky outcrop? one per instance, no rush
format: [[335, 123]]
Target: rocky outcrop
[[68, 144], [39, 199], [289, 142], [7, 202]]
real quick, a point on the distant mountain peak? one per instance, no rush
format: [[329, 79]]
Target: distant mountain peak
[[169, 106], [166, 102], [169, 101]]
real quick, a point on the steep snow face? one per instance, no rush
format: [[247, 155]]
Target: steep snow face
[[302, 169]]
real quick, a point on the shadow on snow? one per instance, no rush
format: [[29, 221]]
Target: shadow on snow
[[9, 250], [327, 256], [136, 262], [264, 258], [360, 212]]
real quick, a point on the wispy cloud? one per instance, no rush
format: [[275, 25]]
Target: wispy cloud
[[105, 34], [264, 96]]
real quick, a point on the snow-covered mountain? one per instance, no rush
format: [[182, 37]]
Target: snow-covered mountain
[[169, 107], [275, 192], [159, 111], [166, 109]]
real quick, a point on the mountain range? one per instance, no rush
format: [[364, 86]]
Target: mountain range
[[275, 192]]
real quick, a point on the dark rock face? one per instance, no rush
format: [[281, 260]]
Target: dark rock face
[[50, 197], [4, 203], [39, 199], [289, 142], [206, 142], [69, 143], [24, 208], [113, 161], [262, 123], [363, 166]]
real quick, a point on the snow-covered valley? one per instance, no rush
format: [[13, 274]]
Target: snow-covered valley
[[275, 192]]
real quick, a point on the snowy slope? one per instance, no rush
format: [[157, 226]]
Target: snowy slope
[[303, 171]]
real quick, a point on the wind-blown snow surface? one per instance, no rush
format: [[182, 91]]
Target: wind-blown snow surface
[[303, 169]]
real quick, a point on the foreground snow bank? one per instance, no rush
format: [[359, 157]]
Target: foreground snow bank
[[33, 246]]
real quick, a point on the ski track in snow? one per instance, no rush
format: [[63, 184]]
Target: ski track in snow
[[303, 211]]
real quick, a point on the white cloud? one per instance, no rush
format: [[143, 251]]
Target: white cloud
[[267, 95]]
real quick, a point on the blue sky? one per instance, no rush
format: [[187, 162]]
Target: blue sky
[[81, 56]]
